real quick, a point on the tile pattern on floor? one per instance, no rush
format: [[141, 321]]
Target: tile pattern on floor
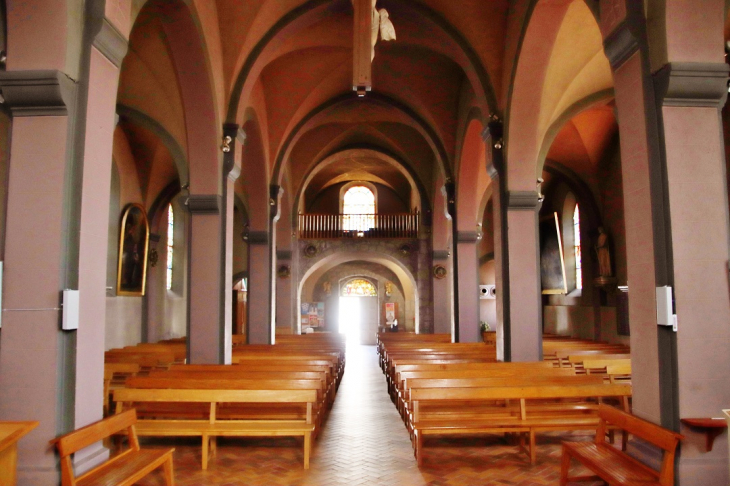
[[364, 442]]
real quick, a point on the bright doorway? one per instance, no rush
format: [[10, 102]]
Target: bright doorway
[[349, 319]]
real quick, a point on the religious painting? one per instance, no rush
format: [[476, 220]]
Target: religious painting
[[552, 262], [312, 314], [133, 244]]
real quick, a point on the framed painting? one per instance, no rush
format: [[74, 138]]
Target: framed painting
[[133, 244], [552, 263]]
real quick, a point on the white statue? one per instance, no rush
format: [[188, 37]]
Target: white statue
[[382, 24]]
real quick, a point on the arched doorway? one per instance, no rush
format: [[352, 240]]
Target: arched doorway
[[358, 310]]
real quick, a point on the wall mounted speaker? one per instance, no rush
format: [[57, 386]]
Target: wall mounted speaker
[[487, 292]]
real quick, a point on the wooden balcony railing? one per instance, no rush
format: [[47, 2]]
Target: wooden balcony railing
[[323, 226]]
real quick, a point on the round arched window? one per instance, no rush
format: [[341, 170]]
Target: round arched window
[[359, 287]]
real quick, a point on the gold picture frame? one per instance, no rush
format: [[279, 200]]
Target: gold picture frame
[[134, 237]]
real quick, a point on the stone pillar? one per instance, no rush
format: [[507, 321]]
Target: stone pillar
[[468, 281], [500, 277], [676, 216], [442, 297], [36, 362], [284, 291], [56, 234], [691, 96], [259, 288], [105, 62], [524, 298], [493, 138], [206, 231]]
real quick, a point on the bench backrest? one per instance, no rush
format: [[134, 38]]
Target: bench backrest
[[241, 374], [502, 381], [222, 384], [217, 396], [660, 437], [79, 439], [517, 392]]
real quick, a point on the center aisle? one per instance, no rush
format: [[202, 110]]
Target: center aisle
[[364, 440]]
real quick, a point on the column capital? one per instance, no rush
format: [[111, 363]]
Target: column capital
[[440, 255], [467, 237], [201, 203], [522, 200], [258, 238], [111, 43], [620, 44], [37, 93], [283, 254], [695, 84]]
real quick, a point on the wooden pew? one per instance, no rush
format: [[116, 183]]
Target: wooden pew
[[211, 426], [522, 420], [460, 371], [614, 466], [228, 381], [114, 376], [123, 469]]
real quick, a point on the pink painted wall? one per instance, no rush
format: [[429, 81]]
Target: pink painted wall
[[34, 260], [30, 50]]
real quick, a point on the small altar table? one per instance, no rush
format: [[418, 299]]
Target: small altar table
[[10, 434]]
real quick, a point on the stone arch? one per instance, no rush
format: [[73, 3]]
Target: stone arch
[[473, 179], [535, 100], [196, 87], [176, 151], [405, 275]]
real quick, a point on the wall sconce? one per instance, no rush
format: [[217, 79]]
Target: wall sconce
[[540, 195], [226, 147]]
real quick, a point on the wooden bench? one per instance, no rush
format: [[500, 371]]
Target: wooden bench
[[614, 466], [231, 381], [526, 418], [114, 376], [211, 427], [123, 469]]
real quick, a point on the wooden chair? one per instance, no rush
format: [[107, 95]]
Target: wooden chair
[[123, 469]]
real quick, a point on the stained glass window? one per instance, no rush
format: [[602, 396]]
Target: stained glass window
[[359, 287], [359, 209], [170, 237], [576, 249]]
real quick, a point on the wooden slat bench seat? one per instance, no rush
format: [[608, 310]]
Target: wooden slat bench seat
[[211, 426], [614, 466], [123, 469], [529, 417], [213, 381]]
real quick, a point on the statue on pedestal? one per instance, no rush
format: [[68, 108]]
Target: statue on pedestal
[[604, 254]]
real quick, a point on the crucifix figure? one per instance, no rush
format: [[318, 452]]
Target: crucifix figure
[[369, 21]]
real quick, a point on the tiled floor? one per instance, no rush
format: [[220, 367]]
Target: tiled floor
[[364, 442]]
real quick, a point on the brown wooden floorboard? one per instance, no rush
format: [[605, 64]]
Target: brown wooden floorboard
[[364, 442]]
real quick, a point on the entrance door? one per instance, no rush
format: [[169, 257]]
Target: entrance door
[[369, 317]]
